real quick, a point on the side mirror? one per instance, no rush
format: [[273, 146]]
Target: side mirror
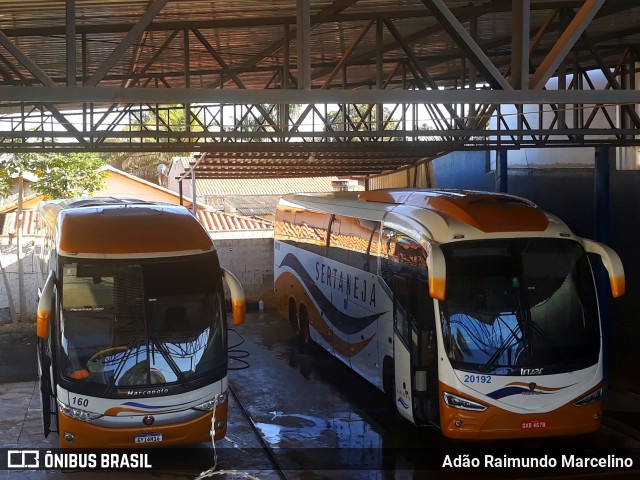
[[611, 262], [437, 272], [43, 317], [238, 304]]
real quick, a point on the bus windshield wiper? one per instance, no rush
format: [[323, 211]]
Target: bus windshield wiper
[[168, 358], [491, 363], [133, 346]]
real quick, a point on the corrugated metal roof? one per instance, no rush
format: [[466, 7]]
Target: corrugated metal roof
[[253, 205], [261, 187], [226, 222]]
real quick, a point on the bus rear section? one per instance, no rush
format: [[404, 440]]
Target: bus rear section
[[485, 321], [132, 343]]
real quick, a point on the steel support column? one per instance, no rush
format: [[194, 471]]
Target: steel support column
[[71, 42], [502, 170], [303, 33], [602, 234], [521, 19]]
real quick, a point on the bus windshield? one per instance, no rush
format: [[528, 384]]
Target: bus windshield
[[516, 306], [142, 322]]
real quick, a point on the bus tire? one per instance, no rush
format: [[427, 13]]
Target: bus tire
[[293, 314], [304, 335]]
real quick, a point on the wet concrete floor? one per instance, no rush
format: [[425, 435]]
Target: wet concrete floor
[[319, 419]]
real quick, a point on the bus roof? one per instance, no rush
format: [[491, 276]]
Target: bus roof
[[447, 212], [123, 227], [487, 211]]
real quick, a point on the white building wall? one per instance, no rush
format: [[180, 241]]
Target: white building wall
[[578, 157], [251, 261], [9, 259]]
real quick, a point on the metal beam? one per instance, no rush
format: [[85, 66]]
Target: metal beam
[[25, 61], [566, 42], [10, 93], [467, 44], [126, 42]]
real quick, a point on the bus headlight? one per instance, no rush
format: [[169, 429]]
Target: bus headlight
[[78, 414], [214, 402], [462, 403], [591, 398]]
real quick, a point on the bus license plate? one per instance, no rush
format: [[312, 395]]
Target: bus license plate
[[148, 438], [533, 424]]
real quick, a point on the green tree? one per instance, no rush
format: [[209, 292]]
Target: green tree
[[359, 118], [264, 118], [58, 175]]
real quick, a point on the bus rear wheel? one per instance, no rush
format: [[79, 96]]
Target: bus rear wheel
[[303, 333], [293, 314]]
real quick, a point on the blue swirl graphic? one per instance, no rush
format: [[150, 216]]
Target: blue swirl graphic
[[339, 320], [403, 403], [508, 391]]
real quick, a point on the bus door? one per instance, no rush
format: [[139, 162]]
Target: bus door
[[46, 318], [415, 350], [424, 354], [401, 348], [405, 269]]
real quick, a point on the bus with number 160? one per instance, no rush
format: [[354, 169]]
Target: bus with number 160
[[131, 325]]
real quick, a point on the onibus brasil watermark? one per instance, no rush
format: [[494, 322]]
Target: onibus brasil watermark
[[36, 459]]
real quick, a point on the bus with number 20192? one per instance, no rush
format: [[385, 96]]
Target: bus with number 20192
[[131, 325], [475, 312]]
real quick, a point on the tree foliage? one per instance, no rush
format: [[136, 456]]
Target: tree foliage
[[58, 175], [359, 118]]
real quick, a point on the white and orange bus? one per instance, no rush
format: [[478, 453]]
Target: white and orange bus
[[131, 325], [476, 312]]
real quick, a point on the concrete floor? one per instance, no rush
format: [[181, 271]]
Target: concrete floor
[[320, 419]]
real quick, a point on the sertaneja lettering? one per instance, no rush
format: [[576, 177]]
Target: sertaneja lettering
[[352, 286]]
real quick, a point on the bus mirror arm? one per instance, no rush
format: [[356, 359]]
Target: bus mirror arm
[[45, 303], [238, 304], [611, 262], [437, 272]]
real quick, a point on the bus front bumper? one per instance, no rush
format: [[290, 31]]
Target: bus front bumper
[[78, 434]]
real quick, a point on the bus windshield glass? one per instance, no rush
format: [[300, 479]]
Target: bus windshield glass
[[514, 306], [142, 322]]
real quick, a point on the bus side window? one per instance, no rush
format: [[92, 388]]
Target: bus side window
[[405, 270], [350, 242], [311, 229]]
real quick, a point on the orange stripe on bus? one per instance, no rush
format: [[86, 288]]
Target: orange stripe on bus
[[88, 435]]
